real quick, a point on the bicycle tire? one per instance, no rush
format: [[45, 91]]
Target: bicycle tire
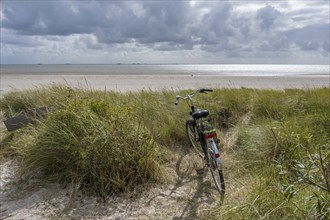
[[217, 174], [192, 134]]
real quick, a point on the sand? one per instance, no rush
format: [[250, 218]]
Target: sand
[[184, 196], [123, 83]]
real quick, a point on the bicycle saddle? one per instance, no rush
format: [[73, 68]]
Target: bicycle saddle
[[200, 113]]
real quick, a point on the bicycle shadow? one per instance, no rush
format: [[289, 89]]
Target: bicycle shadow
[[201, 192]]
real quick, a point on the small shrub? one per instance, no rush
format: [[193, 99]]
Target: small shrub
[[99, 146]]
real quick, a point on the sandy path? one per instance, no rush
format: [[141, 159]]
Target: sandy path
[[123, 83], [182, 197]]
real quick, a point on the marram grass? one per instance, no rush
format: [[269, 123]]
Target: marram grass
[[96, 145], [109, 142]]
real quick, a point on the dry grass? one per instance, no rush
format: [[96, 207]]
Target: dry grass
[[276, 143]]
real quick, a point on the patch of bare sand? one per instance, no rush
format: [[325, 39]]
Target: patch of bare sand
[[123, 83], [184, 196]]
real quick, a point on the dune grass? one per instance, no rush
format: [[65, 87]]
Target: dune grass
[[109, 142], [285, 152]]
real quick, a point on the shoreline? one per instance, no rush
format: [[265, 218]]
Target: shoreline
[[131, 83]]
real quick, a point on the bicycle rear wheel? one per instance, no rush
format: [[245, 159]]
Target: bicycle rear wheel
[[193, 136], [216, 172]]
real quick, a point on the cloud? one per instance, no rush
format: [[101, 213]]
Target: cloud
[[232, 28], [326, 46], [310, 37], [267, 16]]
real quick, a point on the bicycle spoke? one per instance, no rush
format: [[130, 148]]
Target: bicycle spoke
[[216, 174]]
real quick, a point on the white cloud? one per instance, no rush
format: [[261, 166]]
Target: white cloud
[[166, 31]]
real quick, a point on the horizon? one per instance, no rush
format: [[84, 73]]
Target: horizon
[[118, 64]]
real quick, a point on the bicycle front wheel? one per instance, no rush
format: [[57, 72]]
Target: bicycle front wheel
[[216, 172], [193, 137]]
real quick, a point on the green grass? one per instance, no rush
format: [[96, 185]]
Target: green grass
[[108, 142]]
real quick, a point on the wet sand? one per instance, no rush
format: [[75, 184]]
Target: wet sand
[[124, 83]]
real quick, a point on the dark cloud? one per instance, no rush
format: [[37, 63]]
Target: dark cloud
[[326, 46], [267, 17], [163, 22], [218, 28], [310, 37], [119, 22], [40, 18], [211, 26]]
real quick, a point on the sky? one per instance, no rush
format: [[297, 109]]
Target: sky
[[172, 31]]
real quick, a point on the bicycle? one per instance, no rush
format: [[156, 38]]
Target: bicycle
[[203, 138]]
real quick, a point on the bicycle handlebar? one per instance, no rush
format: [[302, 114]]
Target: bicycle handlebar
[[190, 96], [177, 99], [205, 90]]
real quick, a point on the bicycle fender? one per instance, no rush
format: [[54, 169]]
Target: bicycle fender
[[216, 153]]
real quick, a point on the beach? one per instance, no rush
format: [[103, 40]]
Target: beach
[[123, 78], [124, 83]]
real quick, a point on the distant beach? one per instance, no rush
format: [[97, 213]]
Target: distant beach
[[122, 78]]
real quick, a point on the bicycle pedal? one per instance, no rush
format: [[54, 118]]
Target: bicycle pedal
[[206, 162], [200, 171]]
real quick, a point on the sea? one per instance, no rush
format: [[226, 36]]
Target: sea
[[168, 69]]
